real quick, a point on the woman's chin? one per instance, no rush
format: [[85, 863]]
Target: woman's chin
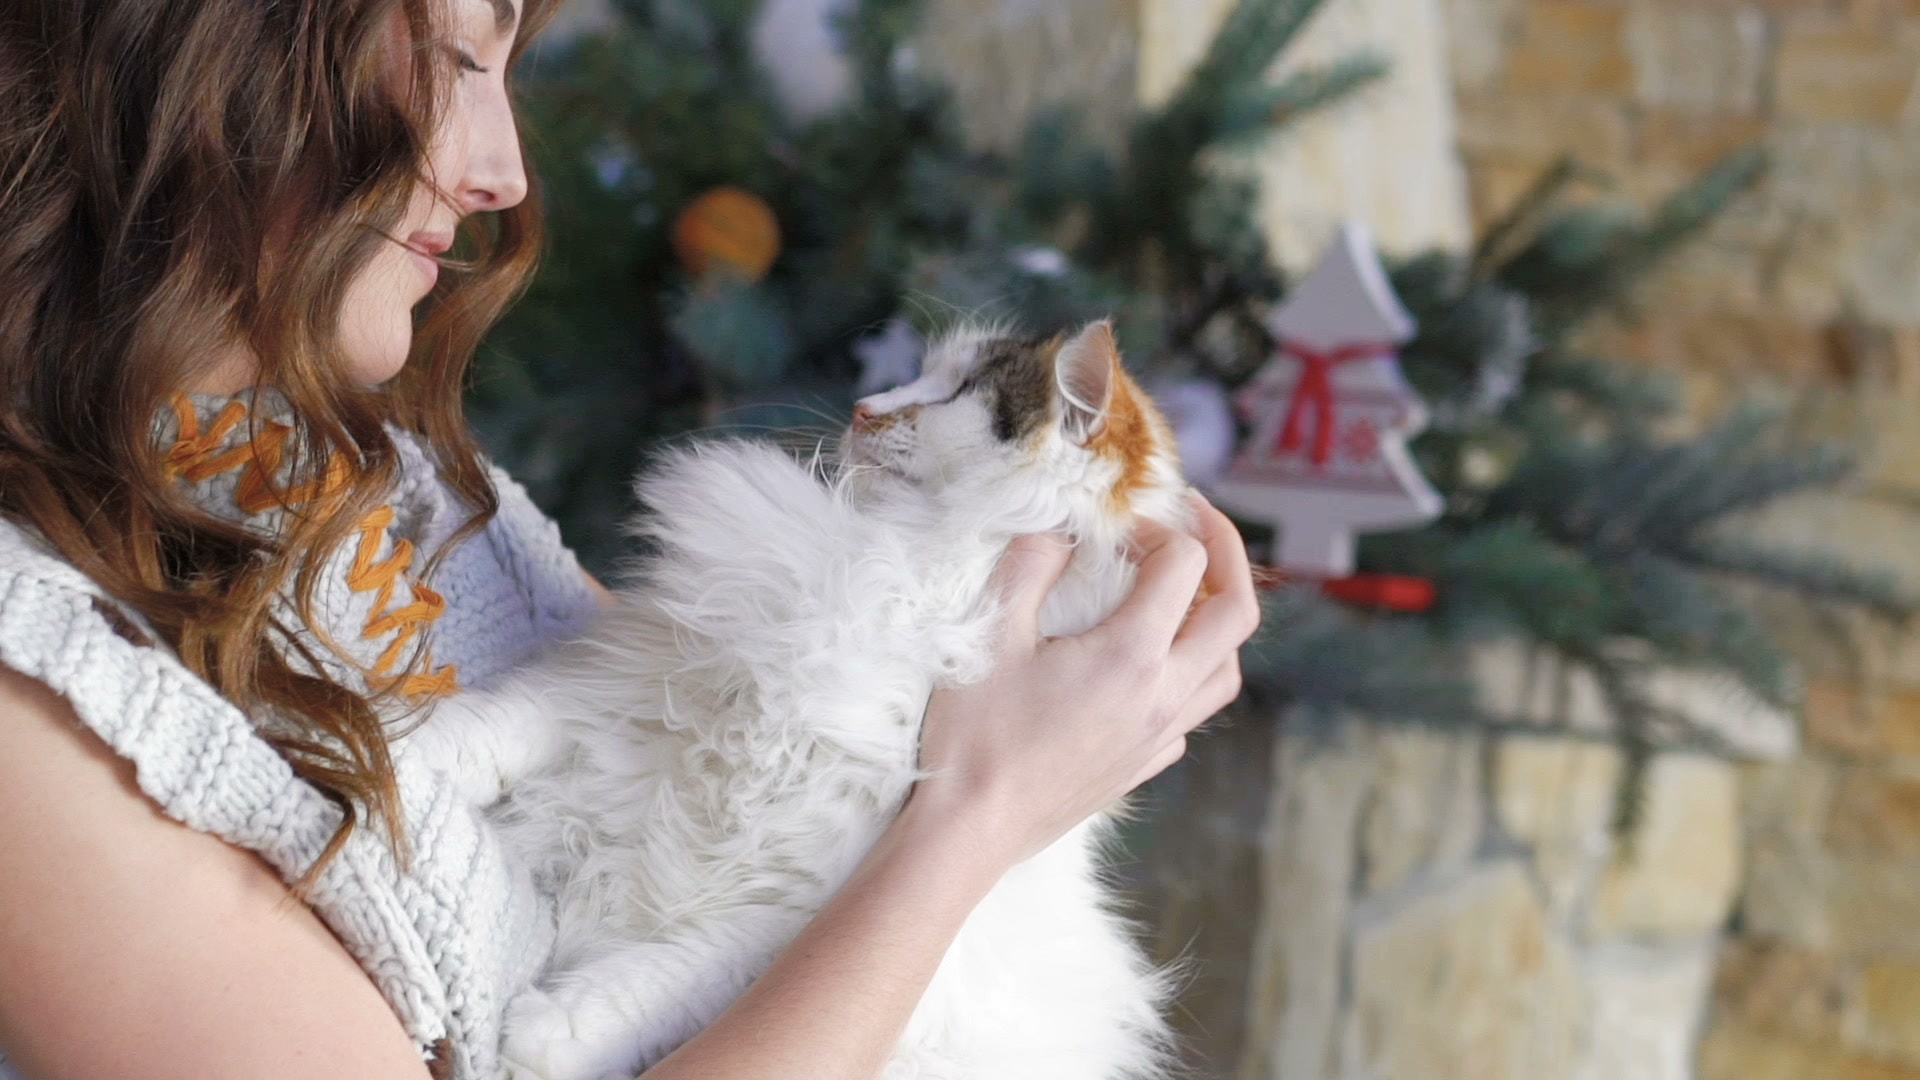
[[375, 376], [373, 365]]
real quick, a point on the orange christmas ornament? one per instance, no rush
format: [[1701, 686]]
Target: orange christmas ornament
[[727, 227]]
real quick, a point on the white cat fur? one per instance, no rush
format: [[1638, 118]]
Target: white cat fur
[[705, 768]]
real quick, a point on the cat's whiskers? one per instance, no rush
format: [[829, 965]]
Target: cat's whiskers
[[954, 319], [923, 303], [831, 419]]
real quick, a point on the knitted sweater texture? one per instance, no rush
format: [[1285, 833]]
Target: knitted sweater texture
[[449, 938]]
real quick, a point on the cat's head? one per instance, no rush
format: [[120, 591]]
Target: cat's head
[[1033, 432]]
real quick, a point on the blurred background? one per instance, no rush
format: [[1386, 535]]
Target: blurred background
[[1609, 768]]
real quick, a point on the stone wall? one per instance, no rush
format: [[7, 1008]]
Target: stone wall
[[1812, 283], [1815, 280], [1823, 977], [1447, 905], [1369, 901]]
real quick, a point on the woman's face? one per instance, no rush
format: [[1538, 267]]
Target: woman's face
[[475, 161]]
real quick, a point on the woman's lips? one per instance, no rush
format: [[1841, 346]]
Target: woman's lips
[[427, 264], [423, 246]]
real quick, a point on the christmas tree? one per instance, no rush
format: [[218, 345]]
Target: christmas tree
[[720, 259]]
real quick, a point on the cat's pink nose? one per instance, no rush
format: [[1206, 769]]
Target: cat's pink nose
[[863, 417]]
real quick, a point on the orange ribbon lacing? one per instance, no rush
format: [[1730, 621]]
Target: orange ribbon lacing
[[197, 455]]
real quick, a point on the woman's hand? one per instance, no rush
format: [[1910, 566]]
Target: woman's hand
[[1066, 726]]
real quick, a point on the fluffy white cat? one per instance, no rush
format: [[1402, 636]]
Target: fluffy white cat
[[697, 775]]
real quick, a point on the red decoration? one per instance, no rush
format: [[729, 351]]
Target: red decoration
[[1361, 441], [1384, 592], [1314, 390], [1391, 592]]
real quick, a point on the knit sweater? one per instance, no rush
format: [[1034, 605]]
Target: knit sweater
[[452, 936]]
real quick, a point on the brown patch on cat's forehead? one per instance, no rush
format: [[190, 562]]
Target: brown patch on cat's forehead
[[1129, 438], [1017, 376]]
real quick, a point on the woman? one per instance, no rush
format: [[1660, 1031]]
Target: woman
[[230, 459]]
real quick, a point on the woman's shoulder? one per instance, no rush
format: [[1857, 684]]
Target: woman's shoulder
[[122, 920], [445, 939], [133, 773], [193, 752], [52, 615], [25, 554]]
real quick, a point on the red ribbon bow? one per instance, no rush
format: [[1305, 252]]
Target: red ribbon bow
[[1314, 390]]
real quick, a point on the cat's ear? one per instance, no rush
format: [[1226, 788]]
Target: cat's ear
[[1083, 373]]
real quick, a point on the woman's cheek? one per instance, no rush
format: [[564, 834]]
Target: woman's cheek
[[376, 329]]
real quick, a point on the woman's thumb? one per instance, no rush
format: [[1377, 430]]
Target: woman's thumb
[[1025, 574]]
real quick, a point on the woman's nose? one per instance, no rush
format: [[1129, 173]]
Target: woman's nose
[[496, 174]]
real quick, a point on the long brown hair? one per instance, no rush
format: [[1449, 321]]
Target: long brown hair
[[150, 153]]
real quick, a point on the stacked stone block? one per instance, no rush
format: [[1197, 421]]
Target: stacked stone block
[[1812, 283]]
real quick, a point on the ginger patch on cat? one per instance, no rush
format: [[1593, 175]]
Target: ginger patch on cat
[[1102, 407], [1128, 440]]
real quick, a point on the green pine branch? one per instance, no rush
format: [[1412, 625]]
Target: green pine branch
[[1146, 223], [1578, 262], [1564, 388], [1253, 113], [1806, 574], [1253, 34], [874, 31], [1690, 622], [1328, 661]]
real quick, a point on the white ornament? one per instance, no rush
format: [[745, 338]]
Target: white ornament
[[1040, 260], [1202, 421], [1481, 468], [1327, 456], [800, 50], [888, 359]]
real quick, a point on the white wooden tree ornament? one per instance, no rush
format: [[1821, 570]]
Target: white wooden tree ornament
[[1327, 456]]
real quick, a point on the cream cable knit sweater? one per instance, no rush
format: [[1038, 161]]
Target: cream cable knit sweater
[[451, 938]]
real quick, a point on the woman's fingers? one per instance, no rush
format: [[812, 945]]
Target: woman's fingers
[[1217, 691], [1171, 566], [1227, 566], [1229, 616], [1167, 755], [1026, 572]]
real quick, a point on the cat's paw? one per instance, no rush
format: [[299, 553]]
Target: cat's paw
[[544, 1041], [439, 750], [539, 1042]]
